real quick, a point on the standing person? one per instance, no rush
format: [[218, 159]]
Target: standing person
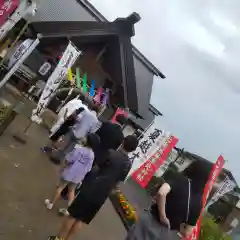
[[63, 129], [66, 111], [178, 205], [65, 119], [111, 137], [76, 165], [96, 187], [87, 122]]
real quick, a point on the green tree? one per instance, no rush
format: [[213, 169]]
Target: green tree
[[211, 231]]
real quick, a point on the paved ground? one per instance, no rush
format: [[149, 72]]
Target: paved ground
[[26, 179]]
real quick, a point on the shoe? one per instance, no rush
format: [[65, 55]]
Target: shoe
[[48, 204], [46, 149], [53, 238], [63, 211]]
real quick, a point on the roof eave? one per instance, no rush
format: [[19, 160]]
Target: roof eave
[[95, 13]]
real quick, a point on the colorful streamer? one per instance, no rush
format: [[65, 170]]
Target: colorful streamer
[[84, 86], [92, 89], [70, 76], [78, 78], [105, 96], [97, 98]]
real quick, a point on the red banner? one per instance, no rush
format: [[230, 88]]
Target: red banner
[[7, 7], [119, 111], [216, 169], [146, 171]]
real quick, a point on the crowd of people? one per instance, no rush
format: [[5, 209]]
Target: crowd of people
[[93, 156]]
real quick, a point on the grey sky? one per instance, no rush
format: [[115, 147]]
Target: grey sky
[[195, 43]]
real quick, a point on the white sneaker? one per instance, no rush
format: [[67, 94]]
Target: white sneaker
[[63, 211], [48, 204]]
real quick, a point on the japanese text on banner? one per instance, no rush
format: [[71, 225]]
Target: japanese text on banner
[[146, 171], [69, 57], [149, 142]]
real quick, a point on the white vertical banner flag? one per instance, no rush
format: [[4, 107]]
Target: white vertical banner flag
[[152, 139], [19, 51], [69, 57], [227, 186]]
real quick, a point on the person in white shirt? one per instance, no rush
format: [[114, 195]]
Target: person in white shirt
[[87, 123], [66, 111]]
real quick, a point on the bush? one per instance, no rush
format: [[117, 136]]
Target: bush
[[211, 231]]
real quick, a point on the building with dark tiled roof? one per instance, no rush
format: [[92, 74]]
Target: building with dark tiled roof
[[135, 74]]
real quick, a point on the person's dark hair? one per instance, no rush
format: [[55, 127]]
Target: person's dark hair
[[80, 110], [93, 140], [198, 172], [82, 98], [96, 108], [130, 143], [121, 119]]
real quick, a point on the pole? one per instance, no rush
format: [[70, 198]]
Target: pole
[[15, 41], [146, 129], [24, 9], [19, 62], [65, 100]]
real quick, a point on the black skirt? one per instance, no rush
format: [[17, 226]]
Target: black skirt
[[83, 210]]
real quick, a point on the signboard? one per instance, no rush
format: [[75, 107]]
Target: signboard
[[19, 52], [147, 145], [69, 57], [226, 186], [163, 146], [216, 169], [119, 111], [45, 68], [7, 7]]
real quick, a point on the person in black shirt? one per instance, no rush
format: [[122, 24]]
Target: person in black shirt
[[96, 187], [111, 137], [178, 204]]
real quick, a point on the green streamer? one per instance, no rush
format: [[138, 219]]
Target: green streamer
[[78, 78], [84, 86]]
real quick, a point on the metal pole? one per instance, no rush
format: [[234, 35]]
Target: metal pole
[[27, 127], [146, 129], [65, 100], [15, 41], [20, 61]]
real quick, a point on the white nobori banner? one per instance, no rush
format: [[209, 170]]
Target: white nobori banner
[[69, 57], [152, 139], [227, 186]]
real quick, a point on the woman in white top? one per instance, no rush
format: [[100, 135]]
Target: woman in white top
[[65, 112]]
